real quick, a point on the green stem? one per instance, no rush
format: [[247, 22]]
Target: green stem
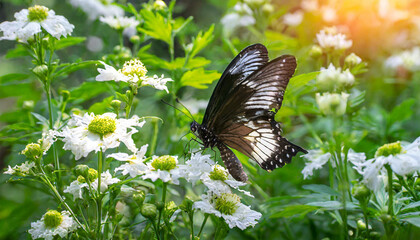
[[163, 202], [156, 230], [154, 138], [191, 216], [409, 189], [206, 216], [51, 125], [364, 210], [99, 197], [331, 176], [390, 192]]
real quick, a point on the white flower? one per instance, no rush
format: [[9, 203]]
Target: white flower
[[96, 8], [76, 189], [316, 159], [156, 82], [309, 5], [135, 165], [53, 223], [83, 135], [333, 78], [133, 72], [241, 16], [293, 19], [106, 180], [332, 103], [228, 206], [352, 59], [20, 170], [404, 159], [328, 14], [127, 24], [409, 59], [194, 168], [328, 38], [29, 22], [47, 139], [164, 168]]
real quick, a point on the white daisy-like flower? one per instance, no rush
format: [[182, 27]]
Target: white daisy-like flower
[[328, 38], [157, 82], [47, 139], [133, 72], [404, 159], [76, 189], [121, 23], [332, 78], [332, 103], [195, 167], [106, 180], [316, 159], [135, 165], [228, 206], [164, 168], [20, 170], [241, 16], [83, 135], [409, 59], [32, 20], [293, 19], [96, 8], [53, 223]]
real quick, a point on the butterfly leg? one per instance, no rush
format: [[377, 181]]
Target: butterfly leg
[[232, 163]]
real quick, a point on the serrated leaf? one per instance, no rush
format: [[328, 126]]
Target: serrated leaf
[[292, 210], [18, 51], [156, 26], [319, 188], [179, 63], [68, 41], [201, 41], [199, 78], [402, 112]]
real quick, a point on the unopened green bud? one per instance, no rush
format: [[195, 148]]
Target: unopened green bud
[[28, 105], [139, 197], [315, 51], [65, 94], [135, 39], [32, 151], [81, 179], [148, 210], [375, 235], [361, 225], [160, 205], [49, 168], [159, 5], [186, 204], [81, 170], [352, 60], [116, 105], [41, 71], [92, 174], [386, 218], [360, 192]]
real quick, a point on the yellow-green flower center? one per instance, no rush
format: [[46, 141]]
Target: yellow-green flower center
[[37, 13], [102, 125], [32, 151], [165, 163], [92, 174], [81, 179], [134, 68], [218, 173], [52, 219], [227, 203], [389, 149]]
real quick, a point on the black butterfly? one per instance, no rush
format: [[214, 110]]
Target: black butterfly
[[239, 111]]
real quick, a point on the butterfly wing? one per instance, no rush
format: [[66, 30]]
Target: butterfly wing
[[244, 64], [245, 121]]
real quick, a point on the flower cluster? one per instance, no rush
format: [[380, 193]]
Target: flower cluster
[[329, 39], [241, 16], [408, 59], [97, 8]]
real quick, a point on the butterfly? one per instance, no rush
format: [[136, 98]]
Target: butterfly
[[239, 114]]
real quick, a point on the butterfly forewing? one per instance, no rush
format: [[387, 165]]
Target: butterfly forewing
[[244, 64]]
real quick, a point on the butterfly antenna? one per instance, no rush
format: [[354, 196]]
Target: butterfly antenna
[[177, 100], [190, 117]]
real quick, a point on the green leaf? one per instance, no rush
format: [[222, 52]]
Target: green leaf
[[71, 67], [88, 90], [290, 211], [179, 63], [414, 220], [156, 26], [101, 107], [278, 41], [198, 78], [12, 77], [180, 23], [301, 79], [327, 204], [18, 51], [201, 41], [319, 188], [68, 41], [411, 205], [402, 112]]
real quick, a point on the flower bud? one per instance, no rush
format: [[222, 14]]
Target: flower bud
[[160, 205], [41, 71], [361, 225], [81, 170], [386, 218], [116, 105], [28, 105], [360, 192], [352, 60], [65, 94], [186, 205], [267, 8], [159, 5], [135, 39], [32, 151], [92, 174], [315, 51], [49, 168], [139, 197], [332, 103], [148, 210]]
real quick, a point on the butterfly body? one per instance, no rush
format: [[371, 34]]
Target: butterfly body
[[239, 114]]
